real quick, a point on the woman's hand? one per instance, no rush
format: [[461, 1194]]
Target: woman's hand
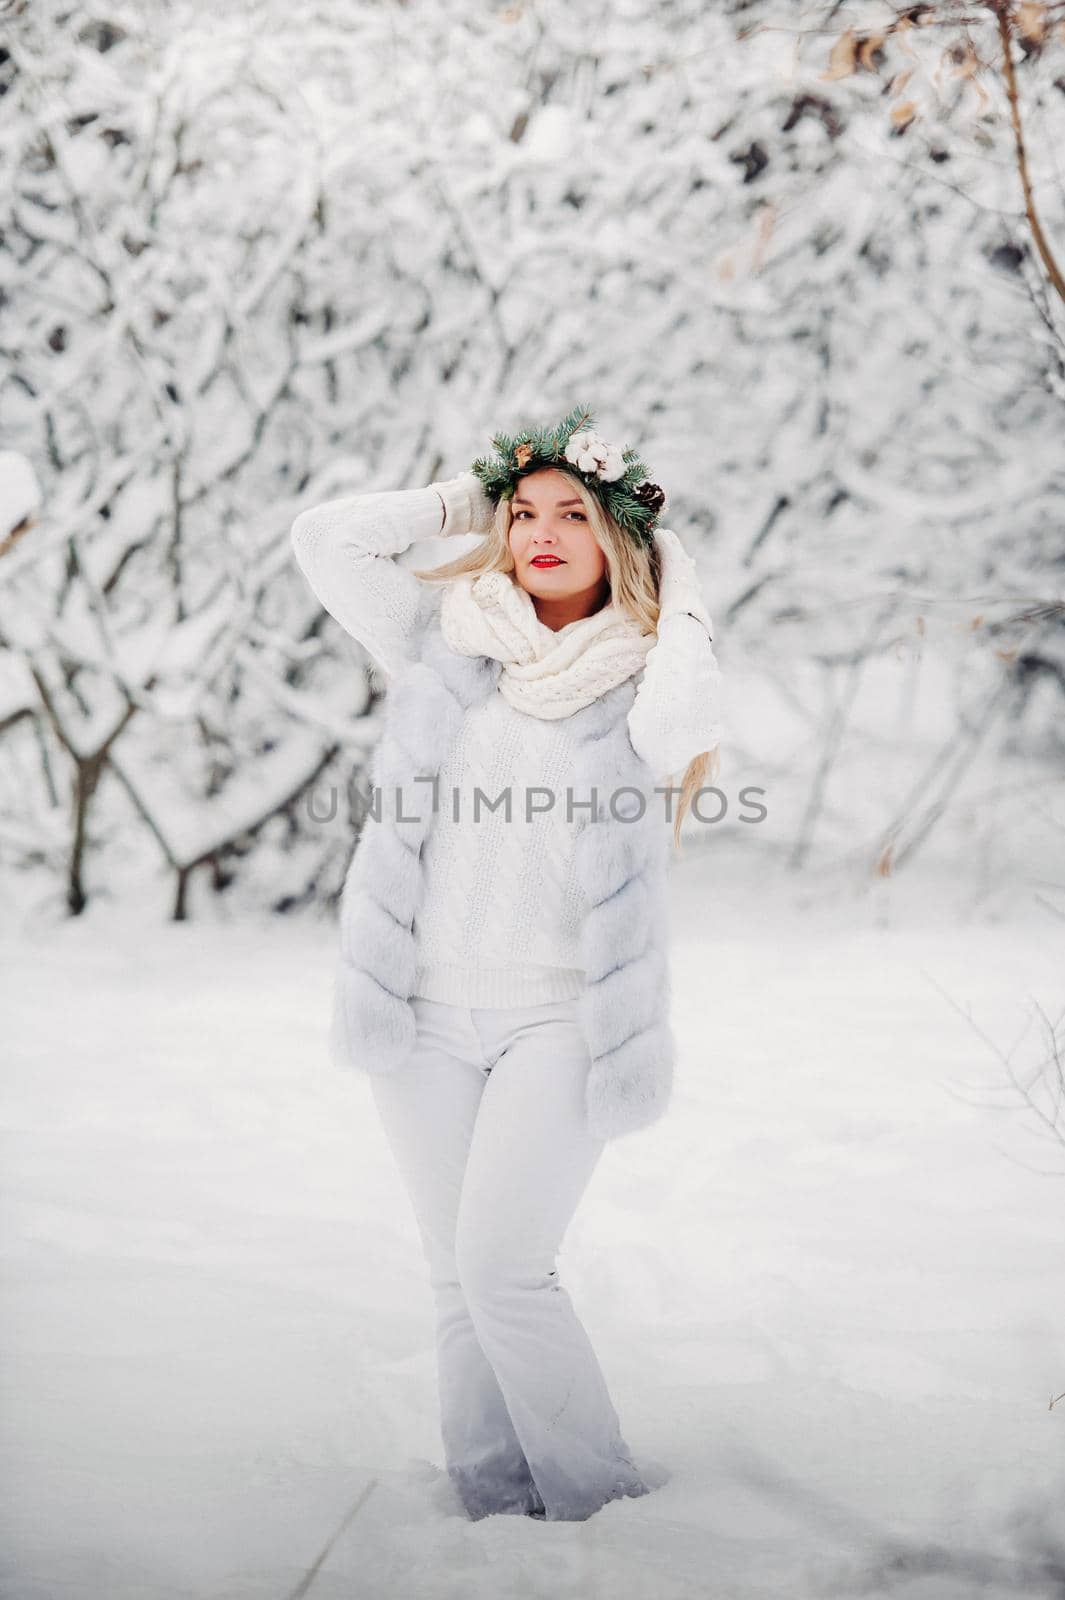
[[679, 590], [467, 508]]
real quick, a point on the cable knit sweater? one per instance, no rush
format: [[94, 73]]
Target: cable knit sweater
[[500, 917]]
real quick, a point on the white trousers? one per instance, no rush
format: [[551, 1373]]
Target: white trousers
[[486, 1122]]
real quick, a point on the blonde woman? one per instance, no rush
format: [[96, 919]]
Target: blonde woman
[[503, 976]]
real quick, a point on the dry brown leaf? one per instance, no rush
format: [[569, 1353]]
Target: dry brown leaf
[[1032, 21], [17, 532], [868, 48], [899, 82], [985, 98], [841, 62], [884, 865], [902, 115], [969, 63]]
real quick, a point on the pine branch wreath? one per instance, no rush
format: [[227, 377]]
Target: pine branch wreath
[[617, 477]]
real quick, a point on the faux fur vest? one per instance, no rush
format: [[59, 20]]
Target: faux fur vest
[[620, 856]]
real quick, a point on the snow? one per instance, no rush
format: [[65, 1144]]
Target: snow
[[20, 493], [826, 1289]]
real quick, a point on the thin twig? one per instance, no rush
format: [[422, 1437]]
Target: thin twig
[[1005, 29], [313, 1570]]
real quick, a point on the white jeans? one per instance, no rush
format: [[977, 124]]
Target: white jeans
[[486, 1122]]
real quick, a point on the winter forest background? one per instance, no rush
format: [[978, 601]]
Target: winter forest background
[[257, 256], [809, 258]]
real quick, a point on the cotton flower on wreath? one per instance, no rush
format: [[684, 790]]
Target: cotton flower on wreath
[[616, 476], [592, 454]]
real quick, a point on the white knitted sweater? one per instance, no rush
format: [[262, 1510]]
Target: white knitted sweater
[[500, 917]]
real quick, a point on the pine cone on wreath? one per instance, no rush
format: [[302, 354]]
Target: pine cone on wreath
[[650, 495]]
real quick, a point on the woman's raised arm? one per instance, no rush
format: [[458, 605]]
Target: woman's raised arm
[[677, 711], [346, 550]]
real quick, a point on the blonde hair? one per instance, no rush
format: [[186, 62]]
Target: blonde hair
[[634, 575]]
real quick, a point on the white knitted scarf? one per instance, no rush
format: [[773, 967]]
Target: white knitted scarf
[[546, 672]]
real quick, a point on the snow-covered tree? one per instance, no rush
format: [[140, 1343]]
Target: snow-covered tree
[[260, 256]]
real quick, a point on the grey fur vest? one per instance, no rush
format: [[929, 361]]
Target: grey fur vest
[[621, 858]]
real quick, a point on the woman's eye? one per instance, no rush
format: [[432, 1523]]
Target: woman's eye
[[518, 515]]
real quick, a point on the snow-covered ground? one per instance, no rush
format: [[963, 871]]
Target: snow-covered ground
[[827, 1290]]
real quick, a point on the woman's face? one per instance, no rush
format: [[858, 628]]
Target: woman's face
[[556, 557]]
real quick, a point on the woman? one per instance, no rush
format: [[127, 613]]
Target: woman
[[503, 976]]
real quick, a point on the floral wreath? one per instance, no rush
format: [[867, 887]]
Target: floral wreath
[[617, 477]]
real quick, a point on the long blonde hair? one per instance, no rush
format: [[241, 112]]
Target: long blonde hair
[[634, 575]]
